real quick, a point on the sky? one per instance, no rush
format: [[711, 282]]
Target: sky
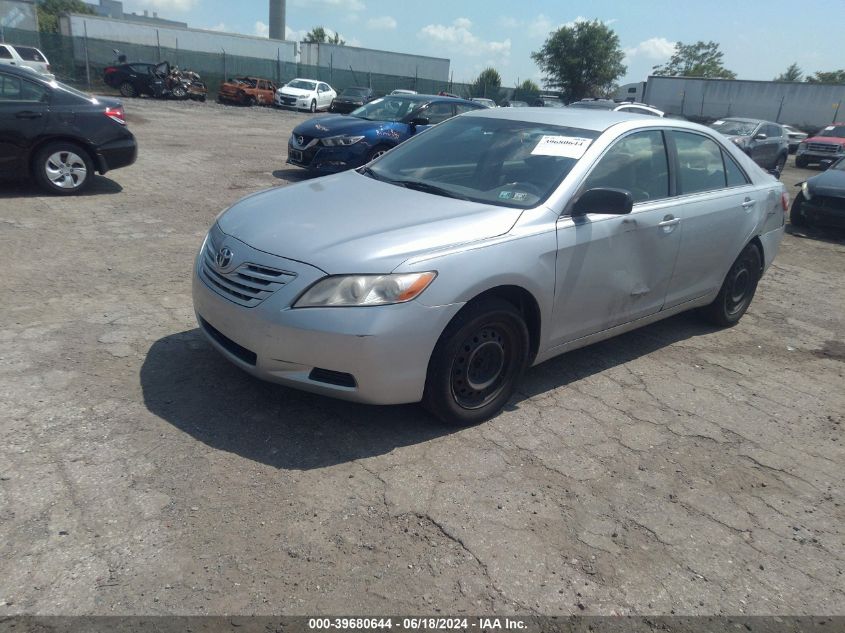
[[759, 38]]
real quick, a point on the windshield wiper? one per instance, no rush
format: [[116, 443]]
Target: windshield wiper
[[418, 185]]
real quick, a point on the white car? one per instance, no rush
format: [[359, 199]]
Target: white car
[[305, 94], [26, 56], [402, 91]]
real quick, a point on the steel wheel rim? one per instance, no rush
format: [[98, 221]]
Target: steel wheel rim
[[66, 170], [741, 283], [480, 366]]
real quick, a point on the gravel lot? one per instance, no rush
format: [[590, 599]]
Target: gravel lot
[[674, 469]]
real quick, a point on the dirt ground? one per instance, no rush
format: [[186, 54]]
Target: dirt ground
[[676, 469]]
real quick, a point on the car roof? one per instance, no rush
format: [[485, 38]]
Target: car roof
[[24, 71], [747, 120], [426, 98], [584, 118]]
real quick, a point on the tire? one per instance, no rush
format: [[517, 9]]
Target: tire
[[128, 90], [796, 212], [377, 151], [477, 363], [250, 101], [780, 163], [801, 162], [313, 107], [179, 92], [63, 168], [737, 290]]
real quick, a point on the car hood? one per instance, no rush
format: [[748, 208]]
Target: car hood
[[829, 183], [349, 223], [321, 127], [295, 92], [825, 139]]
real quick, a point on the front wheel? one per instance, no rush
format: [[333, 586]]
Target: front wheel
[[477, 363], [313, 107], [377, 151], [63, 168], [738, 288], [796, 212], [179, 92]]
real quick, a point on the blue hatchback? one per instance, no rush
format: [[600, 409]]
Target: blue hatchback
[[329, 144]]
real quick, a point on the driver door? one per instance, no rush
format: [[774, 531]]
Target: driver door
[[612, 269]]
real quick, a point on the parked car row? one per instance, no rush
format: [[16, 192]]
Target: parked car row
[[161, 81]]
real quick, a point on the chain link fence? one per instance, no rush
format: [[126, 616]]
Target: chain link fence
[[80, 61]]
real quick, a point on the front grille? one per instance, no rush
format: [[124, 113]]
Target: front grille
[[287, 100], [828, 203], [247, 285], [339, 378], [823, 148]]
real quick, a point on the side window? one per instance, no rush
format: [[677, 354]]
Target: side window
[[141, 69], [324, 88], [30, 54], [10, 88], [700, 166], [736, 177], [774, 131], [464, 107], [638, 164], [5, 53], [438, 112]]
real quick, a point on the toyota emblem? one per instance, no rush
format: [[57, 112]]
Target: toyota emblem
[[224, 257]]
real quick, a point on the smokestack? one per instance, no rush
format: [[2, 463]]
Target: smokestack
[[277, 19]]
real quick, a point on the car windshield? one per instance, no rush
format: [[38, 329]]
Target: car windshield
[[353, 92], [833, 130], [838, 165], [390, 108], [734, 128], [302, 85], [490, 160]]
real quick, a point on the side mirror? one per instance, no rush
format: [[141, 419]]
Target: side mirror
[[420, 120], [760, 137], [605, 200]]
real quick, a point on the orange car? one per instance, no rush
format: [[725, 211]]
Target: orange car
[[247, 91]]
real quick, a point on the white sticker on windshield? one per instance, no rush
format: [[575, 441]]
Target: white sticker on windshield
[[719, 122], [828, 128], [567, 146]]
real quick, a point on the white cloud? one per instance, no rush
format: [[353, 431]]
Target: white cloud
[[339, 5], [218, 27], [384, 23], [294, 36], [459, 38], [261, 29], [542, 25], [655, 49]]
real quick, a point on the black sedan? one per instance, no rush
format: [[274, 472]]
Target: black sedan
[[137, 78], [58, 135], [821, 199], [351, 99]]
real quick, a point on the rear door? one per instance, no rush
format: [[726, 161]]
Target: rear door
[[24, 111], [719, 208]]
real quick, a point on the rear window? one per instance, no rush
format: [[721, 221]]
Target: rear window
[[29, 54]]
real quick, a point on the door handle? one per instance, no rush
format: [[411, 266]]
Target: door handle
[[669, 221], [748, 203], [29, 115]]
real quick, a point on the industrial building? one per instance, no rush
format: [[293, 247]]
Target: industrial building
[[114, 9]]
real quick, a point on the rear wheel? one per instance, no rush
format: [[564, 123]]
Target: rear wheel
[[128, 90], [477, 363], [796, 213], [63, 168], [738, 288], [250, 101]]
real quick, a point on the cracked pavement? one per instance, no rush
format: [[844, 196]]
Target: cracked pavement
[[676, 469]]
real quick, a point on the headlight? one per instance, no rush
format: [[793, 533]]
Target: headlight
[[334, 141], [365, 290], [805, 189]]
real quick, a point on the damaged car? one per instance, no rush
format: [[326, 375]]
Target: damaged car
[[493, 242], [248, 91], [821, 200], [329, 144]]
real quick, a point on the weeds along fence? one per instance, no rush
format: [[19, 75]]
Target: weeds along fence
[[80, 61]]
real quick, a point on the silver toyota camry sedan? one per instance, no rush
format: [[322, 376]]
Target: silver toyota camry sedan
[[491, 242]]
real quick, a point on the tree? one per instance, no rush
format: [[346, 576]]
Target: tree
[[528, 86], [581, 60], [702, 59], [832, 77], [487, 83], [319, 35], [50, 10], [792, 73]]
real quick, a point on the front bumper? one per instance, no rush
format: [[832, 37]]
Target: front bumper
[[328, 160], [286, 101], [816, 157], [382, 351], [825, 210]]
